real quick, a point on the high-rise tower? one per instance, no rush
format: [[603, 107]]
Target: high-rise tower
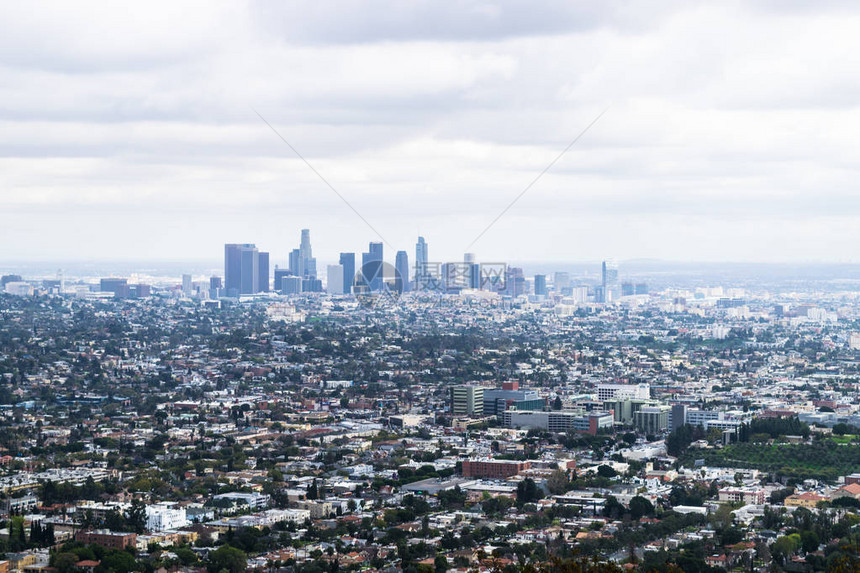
[[401, 265], [242, 269], [421, 269]]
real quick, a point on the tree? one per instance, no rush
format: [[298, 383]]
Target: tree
[[527, 492], [785, 546], [136, 516], [558, 482], [228, 559], [65, 562], [440, 564], [809, 541], [557, 404], [640, 507], [115, 521], [17, 537], [606, 471], [117, 561]]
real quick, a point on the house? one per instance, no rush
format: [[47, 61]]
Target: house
[[806, 499], [850, 490]]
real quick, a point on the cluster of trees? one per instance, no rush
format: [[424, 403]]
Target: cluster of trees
[[42, 536], [772, 428], [52, 492], [111, 560], [638, 508], [528, 492], [132, 520], [825, 460], [680, 438]]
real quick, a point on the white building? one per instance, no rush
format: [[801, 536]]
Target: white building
[[623, 391], [334, 279], [165, 517], [255, 501]]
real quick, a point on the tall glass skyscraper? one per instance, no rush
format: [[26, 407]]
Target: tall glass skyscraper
[[347, 261], [308, 262], [246, 270], [401, 265], [540, 285], [421, 269], [609, 284], [371, 267]]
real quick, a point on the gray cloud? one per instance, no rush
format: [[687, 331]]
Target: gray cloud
[[129, 132]]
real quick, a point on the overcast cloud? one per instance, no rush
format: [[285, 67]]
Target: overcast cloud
[[128, 131]]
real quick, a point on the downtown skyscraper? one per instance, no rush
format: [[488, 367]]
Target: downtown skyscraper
[[246, 269], [401, 266], [302, 262], [421, 264], [371, 267], [347, 261]]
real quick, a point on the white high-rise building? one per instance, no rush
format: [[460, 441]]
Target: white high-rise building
[[334, 278]]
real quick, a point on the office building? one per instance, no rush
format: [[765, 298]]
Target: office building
[[625, 409], [295, 263], [559, 421], [139, 291], [347, 261], [540, 285], [421, 264], [280, 274], [263, 272], [291, 285], [652, 419], [467, 400], [6, 279], [472, 271], [561, 281], [215, 287], [489, 468], [401, 266], [334, 279], [186, 285], [311, 285], [608, 290], [509, 396], [678, 416], [119, 287], [515, 282], [623, 392], [243, 268], [309, 263], [371, 267]]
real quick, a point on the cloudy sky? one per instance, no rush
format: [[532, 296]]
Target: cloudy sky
[[129, 131]]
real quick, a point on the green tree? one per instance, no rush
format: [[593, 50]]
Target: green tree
[[558, 482], [117, 561], [227, 558], [17, 537], [136, 516], [65, 562], [640, 507]]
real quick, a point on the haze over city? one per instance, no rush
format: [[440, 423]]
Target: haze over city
[[130, 132]]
